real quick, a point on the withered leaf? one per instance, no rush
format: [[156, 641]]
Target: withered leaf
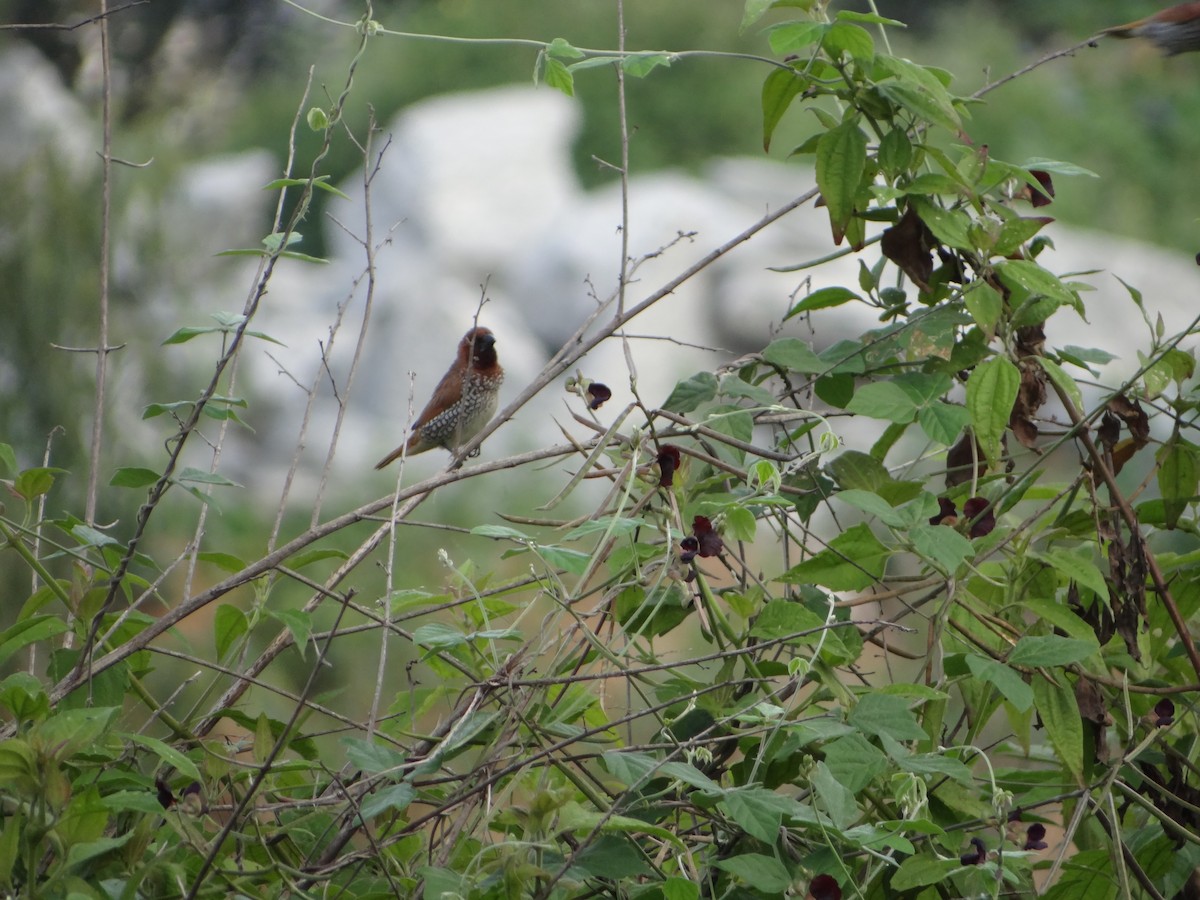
[[909, 244]]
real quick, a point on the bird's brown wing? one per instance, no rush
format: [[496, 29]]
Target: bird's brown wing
[[445, 395]]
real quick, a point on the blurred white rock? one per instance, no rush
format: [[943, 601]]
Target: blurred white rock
[[476, 196]]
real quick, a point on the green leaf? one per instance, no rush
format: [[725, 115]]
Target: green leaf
[[1008, 682], [639, 65], [633, 768], [1050, 650], [950, 226], [1077, 567], [374, 758], [942, 421], [91, 537], [133, 477], [921, 104], [69, 731], [1015, 232], [317, 118], [854, 560], [779, 89], [823, 299], [785, 618], [921, 870], [679, 889], [740, 524], [29, 631], [943, 547], [561, 48], [895, 152], [1029, 276], [766, 873], [984, 303], [225, 561], [1177, 477], [185, 334], [758, 815], [321, 182], [199, 476], [793, 354], [841, 160], [874, 505], [687, 395], [936, 764], [854, 761], [885, 400], [991, 392], [83, 851], [1060, 716], [885, 714], [793, 37], [847, 15], [853, 40], [836, 799], [1058, 615], [733, 387], [566, 558], [438, 636], [558, 76], [395, 797], [165, 752], [753, 11], [35, 482], [1056, 167], [298, 622], [229, 624], [313, 555], [502, 532]]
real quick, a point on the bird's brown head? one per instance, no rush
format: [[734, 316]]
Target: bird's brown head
[[478, 349]]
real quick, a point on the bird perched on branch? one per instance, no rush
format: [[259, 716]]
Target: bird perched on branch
[[1173, 30], [463, 402]]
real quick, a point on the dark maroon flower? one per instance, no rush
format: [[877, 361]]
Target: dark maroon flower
[[598, 394], [1164, 713], [1035, 837], [688, 548], [946, 510], [668, 462], [710, 542], [824, 887], [983, 524], [1045, 196], [976, 856], [166, 799]]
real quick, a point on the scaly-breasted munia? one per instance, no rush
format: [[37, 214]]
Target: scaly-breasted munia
[[1173, 30], [463, 402]]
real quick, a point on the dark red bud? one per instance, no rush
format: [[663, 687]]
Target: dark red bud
[[688, 548], [824, 887], [165, 798], [1164, 713], [1035, 837], [597, 395], [709, 541], [668, 462], [984, 524], [946, 510], [1045, 196], [976, 856]]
